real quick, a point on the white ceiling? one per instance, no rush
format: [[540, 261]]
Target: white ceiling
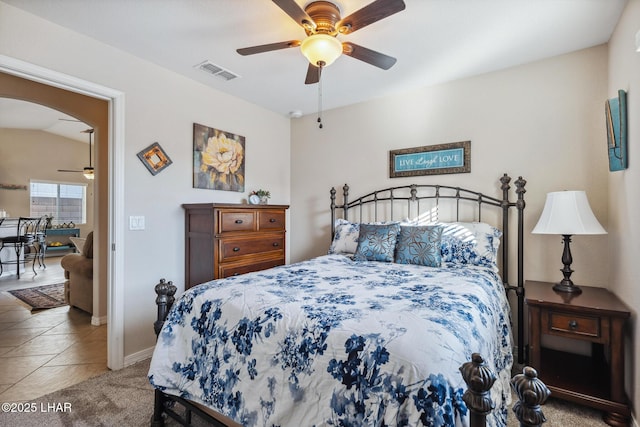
[[15, 114], [433, 40]]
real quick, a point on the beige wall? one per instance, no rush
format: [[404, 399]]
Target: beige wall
[[159, 106], [624, 198], [32, 154], [543, 121]]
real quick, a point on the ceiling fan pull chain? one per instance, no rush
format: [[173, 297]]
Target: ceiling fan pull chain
[[320, 64]]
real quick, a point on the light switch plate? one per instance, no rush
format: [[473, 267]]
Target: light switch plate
[[136, 223]]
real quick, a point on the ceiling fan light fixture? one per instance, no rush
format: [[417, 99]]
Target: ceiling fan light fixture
[[88, 173], [321, 49]]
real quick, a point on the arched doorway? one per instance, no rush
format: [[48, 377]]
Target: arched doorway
[[101, 108]]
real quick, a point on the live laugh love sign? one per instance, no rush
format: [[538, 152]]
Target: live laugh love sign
[[454, 157]]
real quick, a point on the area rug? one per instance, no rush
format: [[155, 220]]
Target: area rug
[[41, 297], [125, 398]]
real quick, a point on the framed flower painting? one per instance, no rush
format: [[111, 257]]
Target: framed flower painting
[[218, 159]]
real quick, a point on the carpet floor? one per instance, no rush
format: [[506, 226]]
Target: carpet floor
[[41, 297], [125, 398]]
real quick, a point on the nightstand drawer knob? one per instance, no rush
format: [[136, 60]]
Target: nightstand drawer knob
[[236, 249], [573, 324], [239, 221], [276, 244], [272, 220]]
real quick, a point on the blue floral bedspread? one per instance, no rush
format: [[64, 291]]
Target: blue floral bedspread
[[335, 342]]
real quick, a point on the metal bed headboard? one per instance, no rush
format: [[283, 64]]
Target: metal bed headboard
[[408, 199]]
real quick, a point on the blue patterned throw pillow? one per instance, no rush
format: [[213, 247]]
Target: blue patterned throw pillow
[[377, 242], [419, 245], [470, 243]]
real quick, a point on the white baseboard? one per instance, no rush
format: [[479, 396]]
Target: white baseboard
[[97, 321], [138, 356]]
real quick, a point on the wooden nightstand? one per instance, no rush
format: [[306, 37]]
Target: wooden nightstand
[[596, 315]]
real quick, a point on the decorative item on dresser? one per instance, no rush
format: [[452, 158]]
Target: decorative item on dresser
[[594, 315], [224, 240]]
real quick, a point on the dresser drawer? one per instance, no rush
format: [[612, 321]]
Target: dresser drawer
[[234, 269], [567, 323], [271, 220], [231, 248], [236, 221]]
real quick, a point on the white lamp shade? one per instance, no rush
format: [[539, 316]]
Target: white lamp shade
[[567, 212], [321, 48]]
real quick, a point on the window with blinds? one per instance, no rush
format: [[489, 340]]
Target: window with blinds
[[64, 201]]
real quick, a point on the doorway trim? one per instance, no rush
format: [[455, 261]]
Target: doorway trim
[[115, 226]]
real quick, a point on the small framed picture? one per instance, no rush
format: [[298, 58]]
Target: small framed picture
[[154, 158]]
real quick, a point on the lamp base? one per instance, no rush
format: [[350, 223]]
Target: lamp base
[[566, 285], [567, 288]]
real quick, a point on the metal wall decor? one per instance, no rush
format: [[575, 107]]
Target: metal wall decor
[[12, 187], [616, 115], [154, 158], [454, 157]]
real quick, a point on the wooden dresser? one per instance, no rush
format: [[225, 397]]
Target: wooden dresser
[[223, 240]]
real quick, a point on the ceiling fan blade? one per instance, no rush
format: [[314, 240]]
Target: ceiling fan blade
[[373, 12], [68, 170], [369, 56], [268, 47], [291, 8], [313, 75]]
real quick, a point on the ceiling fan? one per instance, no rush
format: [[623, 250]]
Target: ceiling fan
[[322, 22], [87, 171]]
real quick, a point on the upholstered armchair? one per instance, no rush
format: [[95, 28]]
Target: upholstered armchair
[[78, 270]]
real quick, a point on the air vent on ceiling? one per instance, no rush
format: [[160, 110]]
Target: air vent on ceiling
[[216, 70]]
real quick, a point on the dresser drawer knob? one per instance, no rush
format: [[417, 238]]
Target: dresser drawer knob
[[573, 324], [272, 220], [276, 244], [236, 249], [238, 221]]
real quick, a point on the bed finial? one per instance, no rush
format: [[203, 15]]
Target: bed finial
[[479, 378], [505, 180], [165, 291], [520, 183], [332, 193], [345, 201], [531, 394]]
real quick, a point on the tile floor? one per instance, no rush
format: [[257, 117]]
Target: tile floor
[[47, 350]]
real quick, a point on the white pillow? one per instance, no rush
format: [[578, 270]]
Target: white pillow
[[78, 242], [345, 239]]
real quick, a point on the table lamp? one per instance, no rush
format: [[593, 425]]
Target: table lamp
[[567, 213]]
